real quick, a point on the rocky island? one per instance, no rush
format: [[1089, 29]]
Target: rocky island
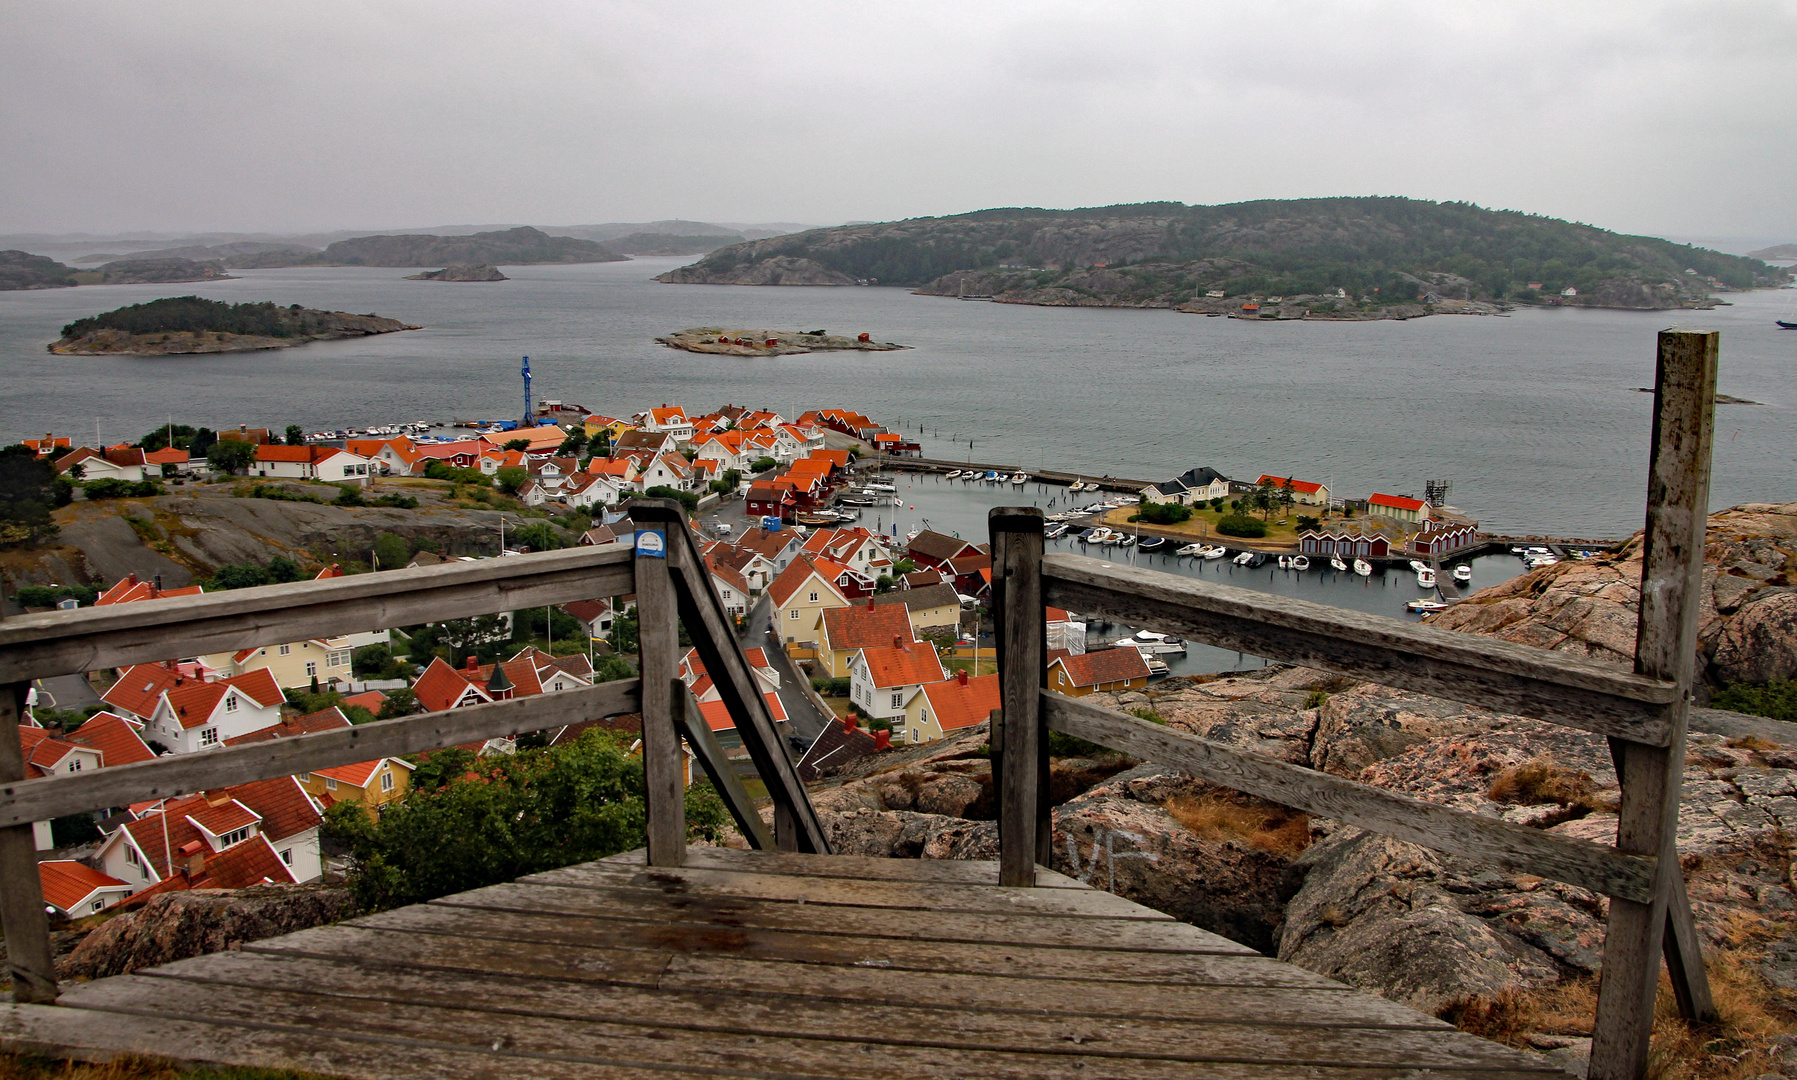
[[190, 324], [716, 339], [461, 272]]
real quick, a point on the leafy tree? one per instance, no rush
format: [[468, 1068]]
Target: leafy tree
[[349, 495], [762, 464], [510, 479], [158, 438], [231, 456], [391, 550], [883, 583], [534, 623], [1217, 503], [611, 668], [574, 445], [49, 596], [281, 569], [516, 444], [202, 441], [400, 702], [531, 811], [904, 566], [464, 636], [370, 659], [248, 575], [29, 490], [541, 536], [110, 488], [439, 767], [73, 829], [1164, 513], [1306, 522], [296, 435], [1241, 525], [356, 714], [684, 498], [623, 634]]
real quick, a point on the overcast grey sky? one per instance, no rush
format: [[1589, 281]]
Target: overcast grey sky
[[329, 114]]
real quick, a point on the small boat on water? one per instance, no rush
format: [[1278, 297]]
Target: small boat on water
[[1055, 531], [880, 486], [1020, 478], [1153, 543], [1285, 562], [1215, 551], [1425, 578], [1463, 574], [1363, 568], [1243, 559], [1786, 325], [1300, 562], [1190, 551], [1417, 566], [1077, 485], [951, 474], [1157, 668], [1101, 535], [1125, 540], [1425, 604], [1337, 565], [992, 476], [1150, 642]]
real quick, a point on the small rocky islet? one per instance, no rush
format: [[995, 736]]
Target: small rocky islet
[[186, 325], [727, 342]]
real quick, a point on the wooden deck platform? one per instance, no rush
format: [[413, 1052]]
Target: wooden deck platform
[[761, 964]]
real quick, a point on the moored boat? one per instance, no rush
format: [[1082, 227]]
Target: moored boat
[[1190, 550], [951, 474], [1215, 551], [1243, 559], [1363, 568], [1463, 573], [1425, 604], [1425, 578], [1337, 565], [1020, 478], [1150, 642], [1300, 562], [1153, 543]]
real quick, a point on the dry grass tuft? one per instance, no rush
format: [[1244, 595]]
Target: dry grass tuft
[[1751, 742], [131, 1067], [1542, 782], [1269, 827]]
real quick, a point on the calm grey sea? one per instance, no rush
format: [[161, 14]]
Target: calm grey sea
[[1533, 417]]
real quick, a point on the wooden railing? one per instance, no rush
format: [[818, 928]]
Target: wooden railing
[[665, 572], [1642, 713]]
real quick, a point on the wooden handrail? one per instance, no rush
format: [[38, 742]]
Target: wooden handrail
[[90, 639], [1500, 675], [26, 801]]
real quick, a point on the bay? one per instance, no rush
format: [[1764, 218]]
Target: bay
[[1533, 417]]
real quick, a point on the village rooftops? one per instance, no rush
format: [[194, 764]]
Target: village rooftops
[[129, 589], [1395, 502], [1103, 667], [866, 625], [962, 702], [1305, 486], [921, 598], [902, 662]]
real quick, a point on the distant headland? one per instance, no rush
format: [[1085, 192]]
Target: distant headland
[[189, 324], [724, 342], [461, 272]]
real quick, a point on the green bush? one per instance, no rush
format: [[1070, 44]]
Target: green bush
[[511, 478], [831, 687], [121, 489], [762, 464], [1777, 700], [443, 470], [248, 575], [1164, 513], [273, 491], [349, 495], [403, 502], [1306, 522], [684, 498], [50, 596], [370, 659], [1241, 525]]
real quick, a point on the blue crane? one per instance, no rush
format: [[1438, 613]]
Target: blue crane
[[527, 421]]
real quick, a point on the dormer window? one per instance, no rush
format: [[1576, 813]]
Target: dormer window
[[230, 703], [235, 836], [74, 764]]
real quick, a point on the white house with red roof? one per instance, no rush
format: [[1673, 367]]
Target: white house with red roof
[[105, 739], [669, 470], [194, 841], [397, 456], [121, 462], [192, 715], [330, 464], [74, 890], [1304, 492], [463, 454], [529, 672], [129, 589], [586, 490], [1398, 508], [724, 447], [884, 681], [671, 419], [855, 548]]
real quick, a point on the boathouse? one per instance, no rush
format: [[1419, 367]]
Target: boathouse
[[1398, 507], [1346, 544], [1440, 539]]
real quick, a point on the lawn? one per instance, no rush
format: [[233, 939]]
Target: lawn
[[1202, 525]]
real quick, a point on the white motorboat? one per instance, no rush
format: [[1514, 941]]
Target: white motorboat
[[1418, 566], [1055, 531], [880, 486], [1077, 485], [1285, 562], [1215, 551], [1337, 565], [1363, 568], [1020, 478], [1190, 550], [1463, 574], [951, 474], [1425, 578], [1300, 562], [1101, 535], [1425, 604], [1125, 540], [1244, 558], [1150, 642]]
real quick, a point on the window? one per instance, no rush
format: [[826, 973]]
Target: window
[[898, 701], [209, 736], [235, 836], [814, 598], [311, 667], [131, 855], [99, 905], [230, 702], [74, 764], [286, 649], [287, 856], [793, 614], [387, 780], [330, 784], [304, 778], [337, 658]]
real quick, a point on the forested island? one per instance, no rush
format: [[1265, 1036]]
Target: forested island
[[1339, 257], [191, 324], [461, 272], [726, 342]]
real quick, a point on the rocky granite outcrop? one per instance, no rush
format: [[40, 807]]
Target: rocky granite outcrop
[[461, 272], [774, 270], [175, 926], [138, 271]]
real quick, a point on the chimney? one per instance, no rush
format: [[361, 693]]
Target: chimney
[[898, 642], [870, 602], [130, 579], [473, 664], [245, 428], [156, 583], [961, 676], [848, 724], [882, 740]]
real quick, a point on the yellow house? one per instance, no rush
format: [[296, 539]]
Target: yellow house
[[950, 706], [1079, 674], [596, 423], [371, 783], [841, 632], [297, 663], [799, 594]]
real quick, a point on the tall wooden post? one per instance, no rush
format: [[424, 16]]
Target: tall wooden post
[[1678, 498], [22, 915], [1025, 828], [658, 644]]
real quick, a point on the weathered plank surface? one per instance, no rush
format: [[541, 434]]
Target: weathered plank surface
[[121, 785], [61, 642], [1025, 829], [858, 867], [1678, 506], [684, 979], [658, 648], [1497, 675], [1500, 843], [22, 916]]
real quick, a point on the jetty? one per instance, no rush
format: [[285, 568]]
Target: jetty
[[788, 960]]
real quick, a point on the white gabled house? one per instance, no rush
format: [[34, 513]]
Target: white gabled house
[[192, 715]]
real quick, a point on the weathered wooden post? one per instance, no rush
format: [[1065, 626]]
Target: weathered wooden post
[[1678, 496], [22, 915], [658, 644], [1025, 828]]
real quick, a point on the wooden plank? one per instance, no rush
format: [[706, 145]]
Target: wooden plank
[[692, 726], [1497, 675], [858, 867], [165, 777], [84, 1035], [1025, 825], [86, 639], [834, 891], [843, 950], [1095, 934], [22, 916], [1500, 843], [1678, 506], [997, 1002], [796, 825], [658, 646], [704, 1036]]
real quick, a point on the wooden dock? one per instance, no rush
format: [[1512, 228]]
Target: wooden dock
[[762, 964]]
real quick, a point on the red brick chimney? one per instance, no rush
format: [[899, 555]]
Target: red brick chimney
[[961, 676], [870, 602], [898, 643], [473, 664], [848, 724], [882, 740]]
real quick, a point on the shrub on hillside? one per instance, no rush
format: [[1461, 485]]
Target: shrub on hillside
[[1165, 513], [1241, 525]]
